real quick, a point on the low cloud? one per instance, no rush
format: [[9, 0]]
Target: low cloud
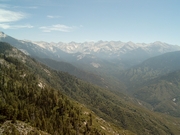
[[8, 19], [57, 27], [10, 26], [53, 17], [31, 7], [10, 16], [7, 6]]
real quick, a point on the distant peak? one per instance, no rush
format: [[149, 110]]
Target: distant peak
[[2, 34], [130, 43], [158, 42]]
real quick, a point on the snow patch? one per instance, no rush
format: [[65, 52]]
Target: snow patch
[[96, 49], [86, 113], [24, 75], [79, 57], [3, 35], [47, 71], [41, 85], [96, 65], [85, 122], [103, 127], [1, 61], [139, 103], [174, 100], [24, 51], [40, 44]]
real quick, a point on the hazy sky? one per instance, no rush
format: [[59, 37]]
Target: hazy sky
[[92, 20]]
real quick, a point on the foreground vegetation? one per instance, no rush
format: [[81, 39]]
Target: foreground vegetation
[[23, 98]]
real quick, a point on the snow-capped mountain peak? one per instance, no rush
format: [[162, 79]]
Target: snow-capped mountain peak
[[92, 52], [3, 35]]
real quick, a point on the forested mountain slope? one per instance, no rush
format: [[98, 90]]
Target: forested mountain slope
[[35, 94], [163, 93], [156, 82], [105, 81], [25, 98], [150, 69]]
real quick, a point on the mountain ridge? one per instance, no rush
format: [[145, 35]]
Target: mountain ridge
[[152, 68], [156, 82], [102, 102], [26, 97], [162, 93], [108, 50]]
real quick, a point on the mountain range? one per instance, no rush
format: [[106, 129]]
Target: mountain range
[[139, 83], [56, 102], [93, 55], [103, 60]]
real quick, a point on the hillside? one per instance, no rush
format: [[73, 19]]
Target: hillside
[[156, 82], [150, 69], [25, 98], [162, 93], [103, 103], [107, 82]]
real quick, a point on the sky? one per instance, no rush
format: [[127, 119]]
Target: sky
[[139, 21]]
